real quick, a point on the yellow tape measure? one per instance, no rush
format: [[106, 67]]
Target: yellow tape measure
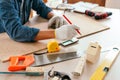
[[104, 67]]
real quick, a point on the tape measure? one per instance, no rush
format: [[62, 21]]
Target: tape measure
[[106, 64], [53, 46]]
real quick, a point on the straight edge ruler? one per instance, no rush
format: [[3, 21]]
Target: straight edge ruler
[[105, 65]]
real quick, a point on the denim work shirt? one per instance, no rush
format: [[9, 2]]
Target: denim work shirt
[[15, 13]]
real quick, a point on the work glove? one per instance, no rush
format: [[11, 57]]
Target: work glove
[[66, 32], [56, 22]]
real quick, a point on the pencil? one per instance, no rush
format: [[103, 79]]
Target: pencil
[[71, 23]]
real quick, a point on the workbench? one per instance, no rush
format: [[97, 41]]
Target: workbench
[[106, 39]]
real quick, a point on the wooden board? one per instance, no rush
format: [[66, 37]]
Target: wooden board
[[88, 25], [9, 47]]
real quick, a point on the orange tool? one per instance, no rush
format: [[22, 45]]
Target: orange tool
[[20, 62]]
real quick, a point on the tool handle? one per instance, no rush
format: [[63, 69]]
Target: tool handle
[[89, 13], [26, 73], [102, 15]]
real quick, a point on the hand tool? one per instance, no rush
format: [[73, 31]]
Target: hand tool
[[26, 73], [44, 58], [99, 16], [53, 46], [15, 60], [89, 13], [56, 75], [106, 64], [30, 71]]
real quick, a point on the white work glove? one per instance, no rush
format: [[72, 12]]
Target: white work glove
[[56, 22], [66, 32]]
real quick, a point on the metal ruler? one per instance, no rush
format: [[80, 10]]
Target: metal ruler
[[106, 64]]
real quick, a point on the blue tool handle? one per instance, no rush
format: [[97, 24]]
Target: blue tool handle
[[26, 73]]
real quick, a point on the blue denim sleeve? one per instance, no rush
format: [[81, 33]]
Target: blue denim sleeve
[[41, 8], [12, 23]]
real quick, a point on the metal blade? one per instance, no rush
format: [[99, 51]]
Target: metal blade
[[45, 59]]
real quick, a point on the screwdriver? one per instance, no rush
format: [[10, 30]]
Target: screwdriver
[[98, 15], [26, 73], [89, 13], [102, 15]]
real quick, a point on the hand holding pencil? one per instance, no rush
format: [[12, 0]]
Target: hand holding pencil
[[67, 31]]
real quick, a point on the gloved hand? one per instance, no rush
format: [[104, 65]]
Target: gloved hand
[[66, 32], [56, 22]]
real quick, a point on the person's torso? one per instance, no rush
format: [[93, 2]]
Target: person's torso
[[23, 8]]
